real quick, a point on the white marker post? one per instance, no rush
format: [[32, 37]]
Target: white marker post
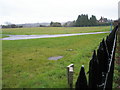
[[70, 70], [119, 10], [0, 59], [119, 20]]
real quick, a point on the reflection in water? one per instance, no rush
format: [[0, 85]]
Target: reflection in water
[[18, 37]]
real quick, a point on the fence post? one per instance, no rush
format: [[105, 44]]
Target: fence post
[[81, 83], [118, 32], [119, 28], [70, 70], [94, 76]]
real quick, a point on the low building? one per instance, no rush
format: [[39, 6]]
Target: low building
[[104, 20]]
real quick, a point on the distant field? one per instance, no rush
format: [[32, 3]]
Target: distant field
[[26, 64], [53, 30]]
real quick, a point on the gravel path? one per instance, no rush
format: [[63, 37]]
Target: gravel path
[[19, 37]]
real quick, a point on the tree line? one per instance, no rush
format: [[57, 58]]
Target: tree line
[[81, 21], [11, 26]]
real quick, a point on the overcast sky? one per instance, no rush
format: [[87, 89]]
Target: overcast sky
[[36, 11]]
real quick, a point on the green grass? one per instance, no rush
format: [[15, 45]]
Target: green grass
[[26, 64], [53, 30], [3, 36], [116, 77]]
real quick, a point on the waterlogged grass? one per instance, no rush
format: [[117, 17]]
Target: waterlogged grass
[[53, 30], [26, 64]]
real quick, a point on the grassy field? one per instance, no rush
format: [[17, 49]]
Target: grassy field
[[53, 30], [26, 64], [3, 36]]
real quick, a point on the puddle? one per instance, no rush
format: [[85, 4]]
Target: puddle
[[19, 37], [55, 58]]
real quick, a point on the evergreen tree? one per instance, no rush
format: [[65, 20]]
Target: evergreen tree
[[83, 20], [55, 24], [93, 20], [51, 23], [78, 21]]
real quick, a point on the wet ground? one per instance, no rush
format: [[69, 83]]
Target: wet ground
[[19, 37], [55, 58]]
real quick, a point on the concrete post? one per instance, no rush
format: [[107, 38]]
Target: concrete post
[[70, 70], [119, 10], [119, 22], [118, 32]]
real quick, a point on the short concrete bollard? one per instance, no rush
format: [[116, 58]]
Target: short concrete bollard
[[70, 70]]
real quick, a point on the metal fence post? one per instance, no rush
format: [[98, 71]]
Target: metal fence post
[[81, 83], [94, 76]]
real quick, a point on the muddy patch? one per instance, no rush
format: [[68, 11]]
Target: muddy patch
[[55, 58]]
